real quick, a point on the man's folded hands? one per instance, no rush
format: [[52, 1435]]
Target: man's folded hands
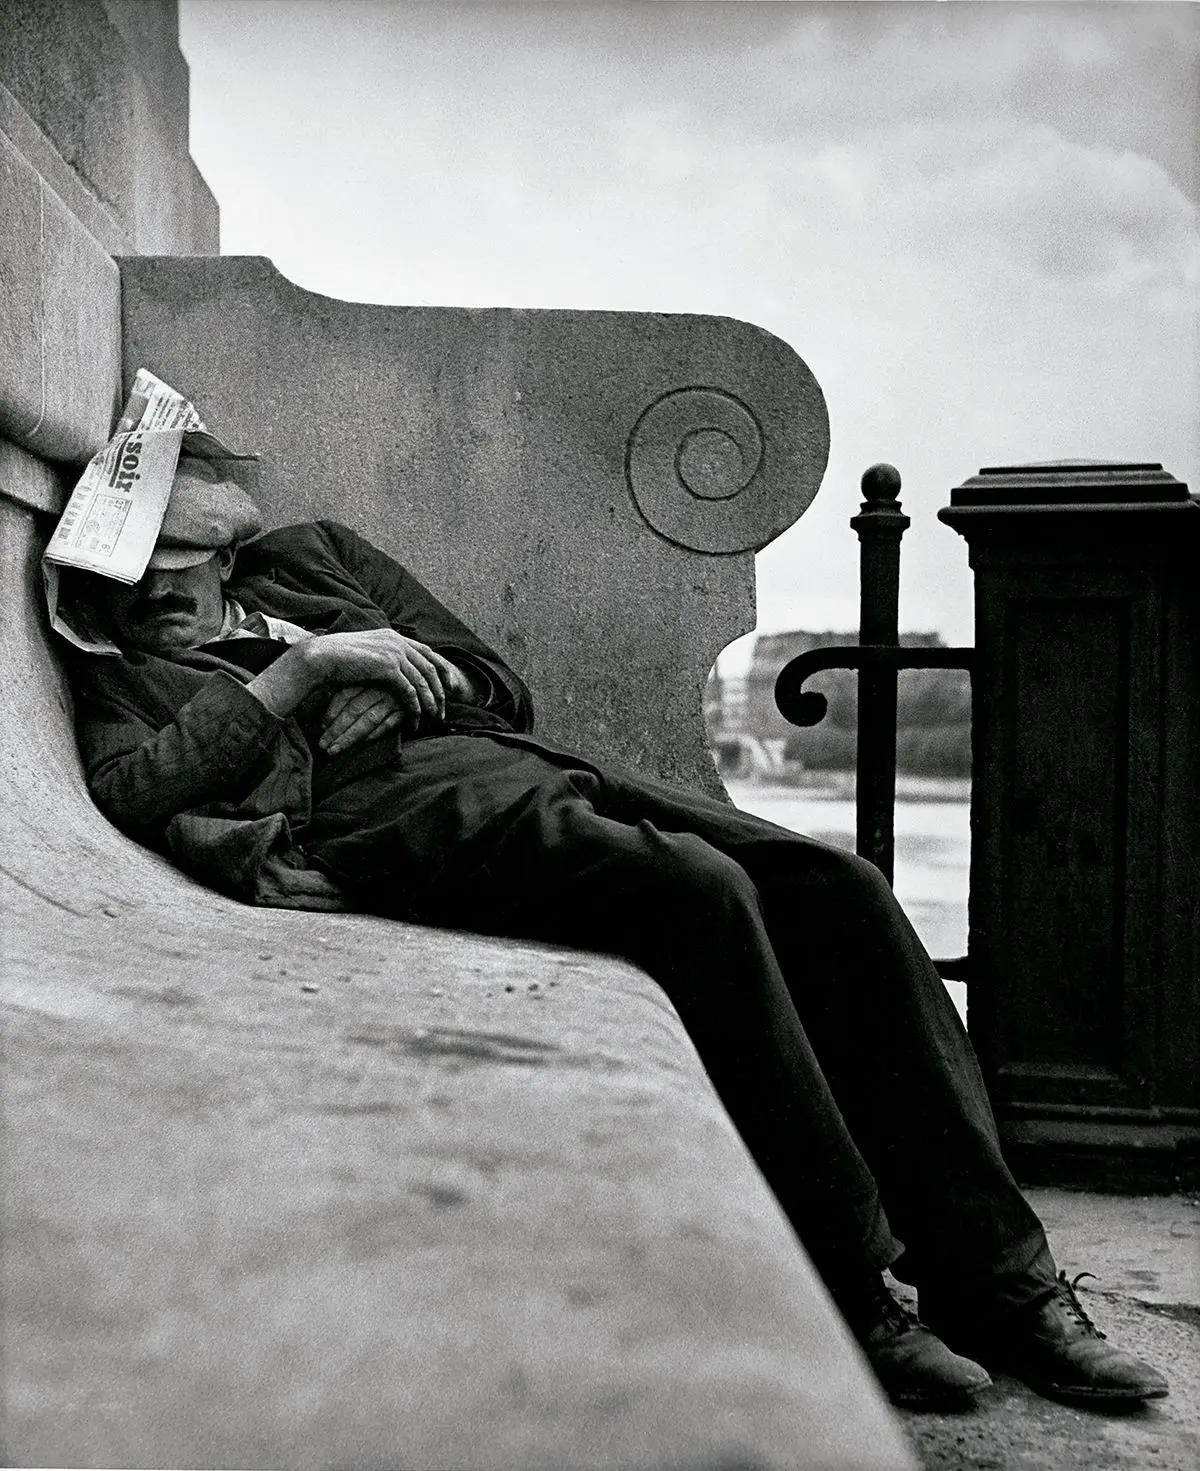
[[381, 679]]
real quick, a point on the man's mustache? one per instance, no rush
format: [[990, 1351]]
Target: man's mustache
[[146, 609]]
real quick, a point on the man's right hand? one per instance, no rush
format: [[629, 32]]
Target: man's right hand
[[411, 671]]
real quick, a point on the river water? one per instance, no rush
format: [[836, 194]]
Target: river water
[[933, 849]]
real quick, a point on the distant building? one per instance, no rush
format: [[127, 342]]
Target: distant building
[[725, 703], [933, 708]]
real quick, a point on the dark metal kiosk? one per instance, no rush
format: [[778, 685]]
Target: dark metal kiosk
[[1083, 971]]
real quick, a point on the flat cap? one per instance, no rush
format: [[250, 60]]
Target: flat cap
[[206, 512]]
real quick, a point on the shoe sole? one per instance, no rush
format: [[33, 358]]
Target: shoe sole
[[959, 1399], [1095, 1396], [1075, 1395]]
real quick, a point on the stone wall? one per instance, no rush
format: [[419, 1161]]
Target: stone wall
[[93, 162], [94, 96]]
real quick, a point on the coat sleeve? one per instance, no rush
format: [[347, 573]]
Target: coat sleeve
[[412, 609], [216, 749]]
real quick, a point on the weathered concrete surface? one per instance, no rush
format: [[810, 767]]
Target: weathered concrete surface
[[32, 482], [60, 329], [1144, 1248], [1145, 1252], [304, 1191], [93, 159], [566, 480], [107, 87], [27, 138]]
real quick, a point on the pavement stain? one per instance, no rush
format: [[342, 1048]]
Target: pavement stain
[[443, 1197], [1180, 1312], [456, 1044], [162, 995]]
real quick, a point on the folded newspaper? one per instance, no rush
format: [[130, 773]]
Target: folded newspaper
[[113, 516]]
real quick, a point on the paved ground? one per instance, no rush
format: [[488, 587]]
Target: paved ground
[[1145, 1252]]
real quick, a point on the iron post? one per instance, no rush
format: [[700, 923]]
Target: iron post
[[880, 524]]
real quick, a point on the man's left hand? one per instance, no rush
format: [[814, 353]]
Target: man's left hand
[[357, 713], [363, 712]]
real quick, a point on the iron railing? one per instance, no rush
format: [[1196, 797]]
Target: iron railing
[[878, 658]]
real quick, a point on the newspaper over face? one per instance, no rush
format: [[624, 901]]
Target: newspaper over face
[[112, 519]]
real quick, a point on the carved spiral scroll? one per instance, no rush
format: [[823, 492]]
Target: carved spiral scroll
[[693, 462], [690, 458]]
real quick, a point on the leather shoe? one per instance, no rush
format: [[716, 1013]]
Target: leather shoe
[[912, 1364], [1056, 1349]]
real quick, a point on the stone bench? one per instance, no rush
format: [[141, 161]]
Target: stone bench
[[292, 1190]]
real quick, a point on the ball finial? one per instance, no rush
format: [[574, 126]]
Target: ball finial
[[881, 483]]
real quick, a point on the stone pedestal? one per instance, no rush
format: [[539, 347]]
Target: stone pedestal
[[1085, 870]]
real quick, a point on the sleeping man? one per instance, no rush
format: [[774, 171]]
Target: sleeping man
[[295, 720]]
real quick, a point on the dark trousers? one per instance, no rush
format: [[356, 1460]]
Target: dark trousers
[[817, 1013]]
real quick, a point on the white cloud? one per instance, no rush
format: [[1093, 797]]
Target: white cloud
[[1051, 206]]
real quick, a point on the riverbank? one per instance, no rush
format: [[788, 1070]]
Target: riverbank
[[933, 846], [933, 842], [839, 786]]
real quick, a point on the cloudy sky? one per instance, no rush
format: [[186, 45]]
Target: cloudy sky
[[977, 222]]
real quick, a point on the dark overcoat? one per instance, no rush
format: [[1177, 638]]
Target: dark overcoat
[[183, 758]]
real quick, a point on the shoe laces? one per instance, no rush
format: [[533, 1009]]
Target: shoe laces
[[893, 1312], [1067, 1293]]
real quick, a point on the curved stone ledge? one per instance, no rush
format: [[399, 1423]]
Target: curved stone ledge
[[287, 1190]]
